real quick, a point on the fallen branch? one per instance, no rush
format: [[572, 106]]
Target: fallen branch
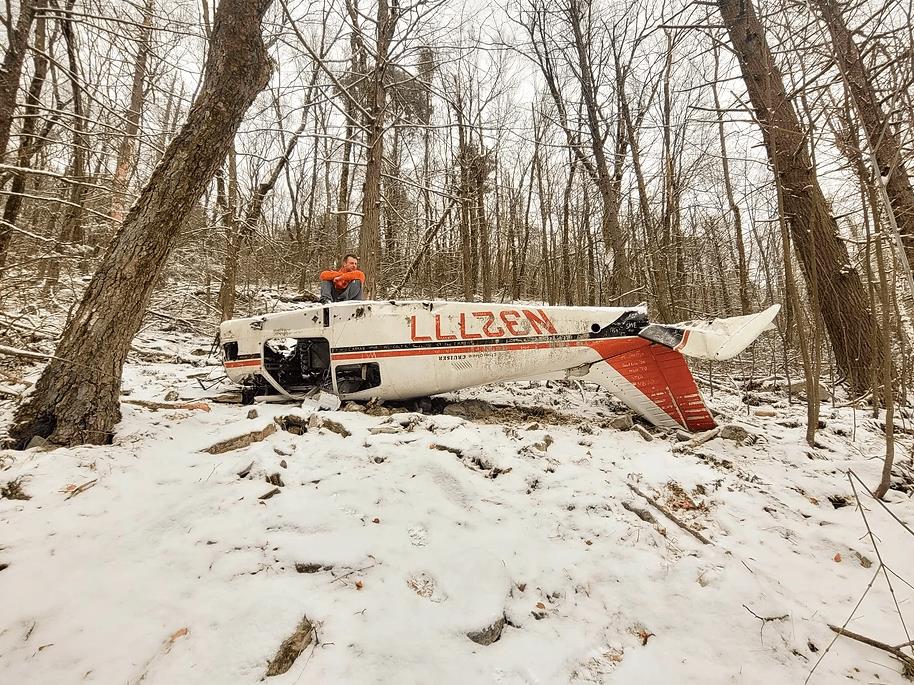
[[242, 440], [765, 619], [26, 354], [666, 512], [155, 406], [698, 440], [906, 660], [80, 488]]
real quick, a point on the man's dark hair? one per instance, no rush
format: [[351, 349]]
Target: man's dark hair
[[347, 256]]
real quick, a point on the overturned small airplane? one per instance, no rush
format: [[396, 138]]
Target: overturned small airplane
[[405, 350]]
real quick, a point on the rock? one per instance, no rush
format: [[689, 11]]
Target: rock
[[292, 423], [172, 396], [735, 432], [643, 432], [283, 464], [470, 409], [489, 634], [316, 421], [622, 423], [336, 427], [291, 648], [242, 440], [275, 479], [683, 436], [36, 441], [353, 406], [252, 414]]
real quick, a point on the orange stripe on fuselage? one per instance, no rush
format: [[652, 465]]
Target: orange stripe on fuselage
[[241, 363]]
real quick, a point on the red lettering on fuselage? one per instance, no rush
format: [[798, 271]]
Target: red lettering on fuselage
[[515, 325], [438, 334], [487, 327], [539, 318], [519, 323], [412, 331], [466, 335]]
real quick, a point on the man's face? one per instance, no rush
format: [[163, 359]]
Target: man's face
[[351, 264]]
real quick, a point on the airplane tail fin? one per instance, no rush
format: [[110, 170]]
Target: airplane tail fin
[[717, 339], [655, 382]]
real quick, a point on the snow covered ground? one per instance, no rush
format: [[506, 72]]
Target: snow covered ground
[[153, 560]]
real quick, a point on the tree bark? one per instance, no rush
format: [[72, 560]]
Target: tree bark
[[11, 70], [126, 153], [884, 142], [76, 398], [813, 230], [370, 232], [28, 144]]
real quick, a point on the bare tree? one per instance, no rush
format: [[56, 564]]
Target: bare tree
[[813, 230], [11, 69], [76, 399]]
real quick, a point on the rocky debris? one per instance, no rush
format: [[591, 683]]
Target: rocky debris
[[240, 441], [489, 634], [291, 648], [543, 445], [316, 421], [246, 471], [275, 479], [36, 441], [622, 423], [271, 493], [736, 433], [472, 410], [293, 423], [172, 396], [643, 432], [252, 413], [375, 407]]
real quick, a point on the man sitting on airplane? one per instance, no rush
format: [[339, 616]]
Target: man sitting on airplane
[[345, 284]]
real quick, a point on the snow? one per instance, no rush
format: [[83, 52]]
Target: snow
[[427, 527]]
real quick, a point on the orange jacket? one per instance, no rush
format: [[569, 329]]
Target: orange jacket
[[342, 279]]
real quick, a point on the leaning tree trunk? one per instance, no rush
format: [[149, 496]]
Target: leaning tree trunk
[[884, 142], [76, 398], [11, 69], [814, 232], [29, 141]]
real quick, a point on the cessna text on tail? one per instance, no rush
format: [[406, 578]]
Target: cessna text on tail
[[404, 350]]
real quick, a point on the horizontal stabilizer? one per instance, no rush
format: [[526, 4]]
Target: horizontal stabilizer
[[717, 339]]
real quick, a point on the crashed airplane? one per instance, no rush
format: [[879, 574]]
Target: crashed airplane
[[404, 350]]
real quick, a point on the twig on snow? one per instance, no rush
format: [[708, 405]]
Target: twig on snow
[[666, 512], [906, 660], [765, 619]]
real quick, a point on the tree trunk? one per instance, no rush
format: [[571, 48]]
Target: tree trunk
[[28, 144], [370, 232], [126, 154], [884, 142], [76, 399], [813, 230], [11, 69]]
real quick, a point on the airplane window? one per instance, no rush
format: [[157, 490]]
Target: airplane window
[[357, 377]]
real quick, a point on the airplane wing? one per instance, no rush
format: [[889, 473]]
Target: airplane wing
[[718, 339]]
